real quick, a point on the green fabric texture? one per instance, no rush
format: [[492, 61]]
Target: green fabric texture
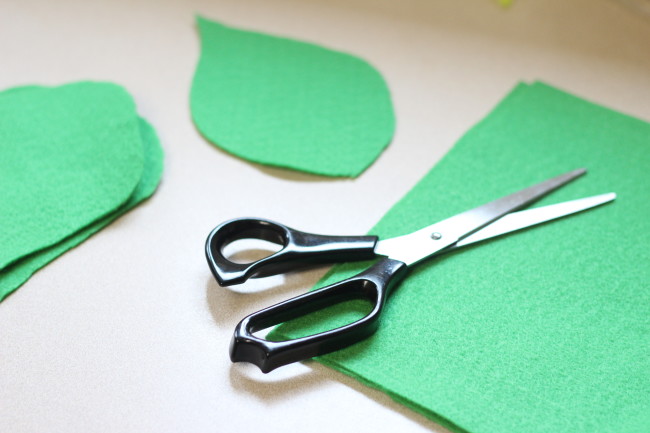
[[543, 330], [289, 104], [70, 155], [19, 272], [149, 157]]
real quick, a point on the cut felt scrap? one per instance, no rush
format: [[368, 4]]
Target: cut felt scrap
[[70, 155], [290, 104], [75, 157], [542, 330]]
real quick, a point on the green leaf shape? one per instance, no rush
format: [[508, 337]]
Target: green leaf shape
[[12, 277], [70, 155], [290, 104], [545, 330]]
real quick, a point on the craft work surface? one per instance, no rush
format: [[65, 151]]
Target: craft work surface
[[129, 331]]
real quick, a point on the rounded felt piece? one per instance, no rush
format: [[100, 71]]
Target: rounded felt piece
[[70, 155], [288, 103], [14, 275]]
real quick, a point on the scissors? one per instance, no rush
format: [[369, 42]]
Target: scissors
[[398, 254]]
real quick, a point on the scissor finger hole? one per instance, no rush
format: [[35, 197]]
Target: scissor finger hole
[[329, 318], [249, 250]]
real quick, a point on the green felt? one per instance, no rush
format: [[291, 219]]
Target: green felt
[[16, 274], [290, 104], [70, 155], [546, 330]]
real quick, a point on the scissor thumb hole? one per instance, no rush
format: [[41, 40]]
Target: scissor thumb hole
[[253, 232], [248, 250]]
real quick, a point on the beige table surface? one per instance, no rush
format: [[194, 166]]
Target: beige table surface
[[128, 332]]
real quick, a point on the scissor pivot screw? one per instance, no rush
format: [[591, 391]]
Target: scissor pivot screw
[[435, 236]]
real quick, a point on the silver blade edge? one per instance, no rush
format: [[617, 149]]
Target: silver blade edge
[[515, 221], [425, 242]]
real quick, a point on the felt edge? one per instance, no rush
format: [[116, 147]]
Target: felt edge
[[410, 404], [516, 92], [572, 95], [431, 413], [277, 333], [128, 97], [148, 184], [201, 21]]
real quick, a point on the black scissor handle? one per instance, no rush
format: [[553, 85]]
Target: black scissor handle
[[298, 248], [373, 285]]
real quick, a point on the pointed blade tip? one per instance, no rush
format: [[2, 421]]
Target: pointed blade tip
[[606, 197]]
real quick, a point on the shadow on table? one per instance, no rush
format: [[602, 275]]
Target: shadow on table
[[277, 172], [299, 378], [228, 305]]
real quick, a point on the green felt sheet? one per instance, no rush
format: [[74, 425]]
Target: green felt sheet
[[546, 330], [290, 104], [70, 155], [16, 274]]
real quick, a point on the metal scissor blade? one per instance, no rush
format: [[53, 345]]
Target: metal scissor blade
[[418, 245], [531, 217]]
